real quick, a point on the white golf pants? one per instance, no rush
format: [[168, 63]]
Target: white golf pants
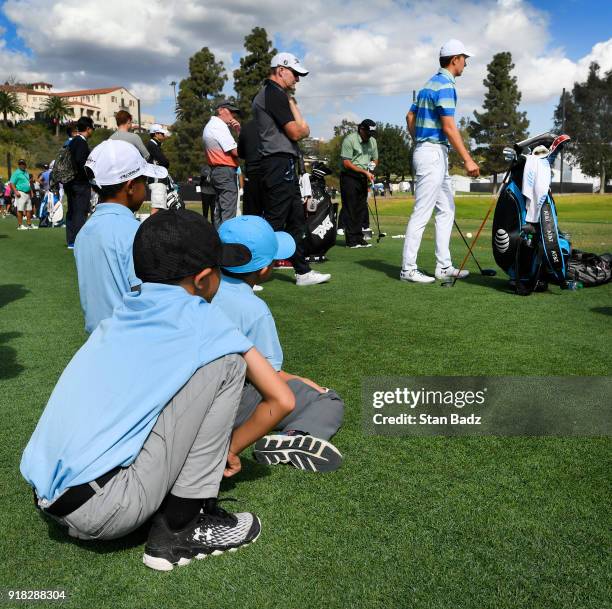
[[433, 190]]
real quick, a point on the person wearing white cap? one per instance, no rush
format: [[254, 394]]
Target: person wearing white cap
[[159, 189], [103, 247], [431, 123], [280, 125]]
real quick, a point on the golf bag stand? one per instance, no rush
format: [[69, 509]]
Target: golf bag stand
[[321, 216], [530, 254]]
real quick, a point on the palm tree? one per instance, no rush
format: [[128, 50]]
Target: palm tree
[[9, 104], [57, 109]]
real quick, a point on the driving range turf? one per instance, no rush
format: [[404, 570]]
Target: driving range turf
[[481, 522]]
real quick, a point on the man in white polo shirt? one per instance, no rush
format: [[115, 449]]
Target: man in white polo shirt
[[222, 156]]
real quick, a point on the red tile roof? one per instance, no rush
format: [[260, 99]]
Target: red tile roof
[[87, 92]]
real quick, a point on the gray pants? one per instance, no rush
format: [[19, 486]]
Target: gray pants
[[223, 180], [185, 454], [319, 414]]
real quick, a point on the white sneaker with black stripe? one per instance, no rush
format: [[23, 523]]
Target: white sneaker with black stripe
[[211, 533], [304, 452]]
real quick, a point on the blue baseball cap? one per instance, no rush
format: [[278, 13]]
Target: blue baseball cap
[[258, 236]]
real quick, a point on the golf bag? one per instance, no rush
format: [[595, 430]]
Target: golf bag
[[174, 200], [321, 216], [590, 269], [51, 212], [532, 254]]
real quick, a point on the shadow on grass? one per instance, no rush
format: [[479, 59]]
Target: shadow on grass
[[10, 367], [602, 310], [501, 284], [391, 270], [251, 470], [11, 292]]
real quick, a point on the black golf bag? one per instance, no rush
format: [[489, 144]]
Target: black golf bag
[[531, 254], [321, 216]]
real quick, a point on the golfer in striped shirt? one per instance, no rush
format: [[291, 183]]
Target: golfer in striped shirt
[[431, 122]]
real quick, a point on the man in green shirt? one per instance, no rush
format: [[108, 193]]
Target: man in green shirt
[[21, 187], [359, 155]]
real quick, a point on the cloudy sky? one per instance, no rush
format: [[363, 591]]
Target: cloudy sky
[[365, 56]]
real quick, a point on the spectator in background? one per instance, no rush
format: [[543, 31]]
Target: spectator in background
[[78, 190], [22, 189], [222, 156], [359, 155], [124, 133], [248, 149], [207, 192], [158, 188]]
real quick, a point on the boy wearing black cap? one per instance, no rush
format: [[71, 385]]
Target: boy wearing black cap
[[150, 432], [359, 155], [303, 438]]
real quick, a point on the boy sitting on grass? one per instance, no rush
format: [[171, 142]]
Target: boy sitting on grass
[[141, 422], [304, 435], [103, 247]]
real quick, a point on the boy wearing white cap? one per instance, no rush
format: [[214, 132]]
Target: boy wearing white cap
[[302, 439], [431, 123], [159, 189], [103, 248]]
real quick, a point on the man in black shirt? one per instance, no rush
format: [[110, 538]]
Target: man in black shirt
[[159, 188], [78, 190], [281, 126], [248, 149]]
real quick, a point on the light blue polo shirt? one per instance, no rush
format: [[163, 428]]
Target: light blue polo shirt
[[252, 316], [105, 265], [109, 396], [437, 98]]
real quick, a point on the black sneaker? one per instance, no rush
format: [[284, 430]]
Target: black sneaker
[[302, 451], [213, 531]]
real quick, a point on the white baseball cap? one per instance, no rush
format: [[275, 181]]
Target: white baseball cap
[[454, 47], [287, 60], [157, 128], [114, 161]]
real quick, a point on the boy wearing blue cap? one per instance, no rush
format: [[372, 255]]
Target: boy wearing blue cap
[[303, 438]]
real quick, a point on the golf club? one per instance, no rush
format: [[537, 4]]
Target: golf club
[[380, 235], [485, 272], [493, 203]]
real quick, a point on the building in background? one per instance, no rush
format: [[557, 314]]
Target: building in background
[[99, 104]]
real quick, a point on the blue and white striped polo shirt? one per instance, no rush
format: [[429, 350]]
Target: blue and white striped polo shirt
[[437, 98]]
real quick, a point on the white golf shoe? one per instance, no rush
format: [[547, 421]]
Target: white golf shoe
[[415, 276], [311, 278], [452, 272]]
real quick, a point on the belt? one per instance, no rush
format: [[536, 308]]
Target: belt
[[76, 496]]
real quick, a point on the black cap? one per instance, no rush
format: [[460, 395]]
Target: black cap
[[173, 244], [230, 106], [368, 124], [20, 161]]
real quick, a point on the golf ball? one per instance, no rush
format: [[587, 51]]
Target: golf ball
[[469, 235]]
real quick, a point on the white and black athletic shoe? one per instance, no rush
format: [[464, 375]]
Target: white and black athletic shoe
[[302, 451], [213, 531]]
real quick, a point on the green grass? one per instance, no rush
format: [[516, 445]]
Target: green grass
[[422, 523]]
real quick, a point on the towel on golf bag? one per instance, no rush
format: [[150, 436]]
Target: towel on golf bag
[[536, 182], [592, 270]]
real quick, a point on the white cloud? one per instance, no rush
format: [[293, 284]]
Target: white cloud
[[352, 47]]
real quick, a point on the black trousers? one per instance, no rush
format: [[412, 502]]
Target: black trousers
[[79, 200], [354, 194], [252, 197], [282, 204], [208, 205]]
